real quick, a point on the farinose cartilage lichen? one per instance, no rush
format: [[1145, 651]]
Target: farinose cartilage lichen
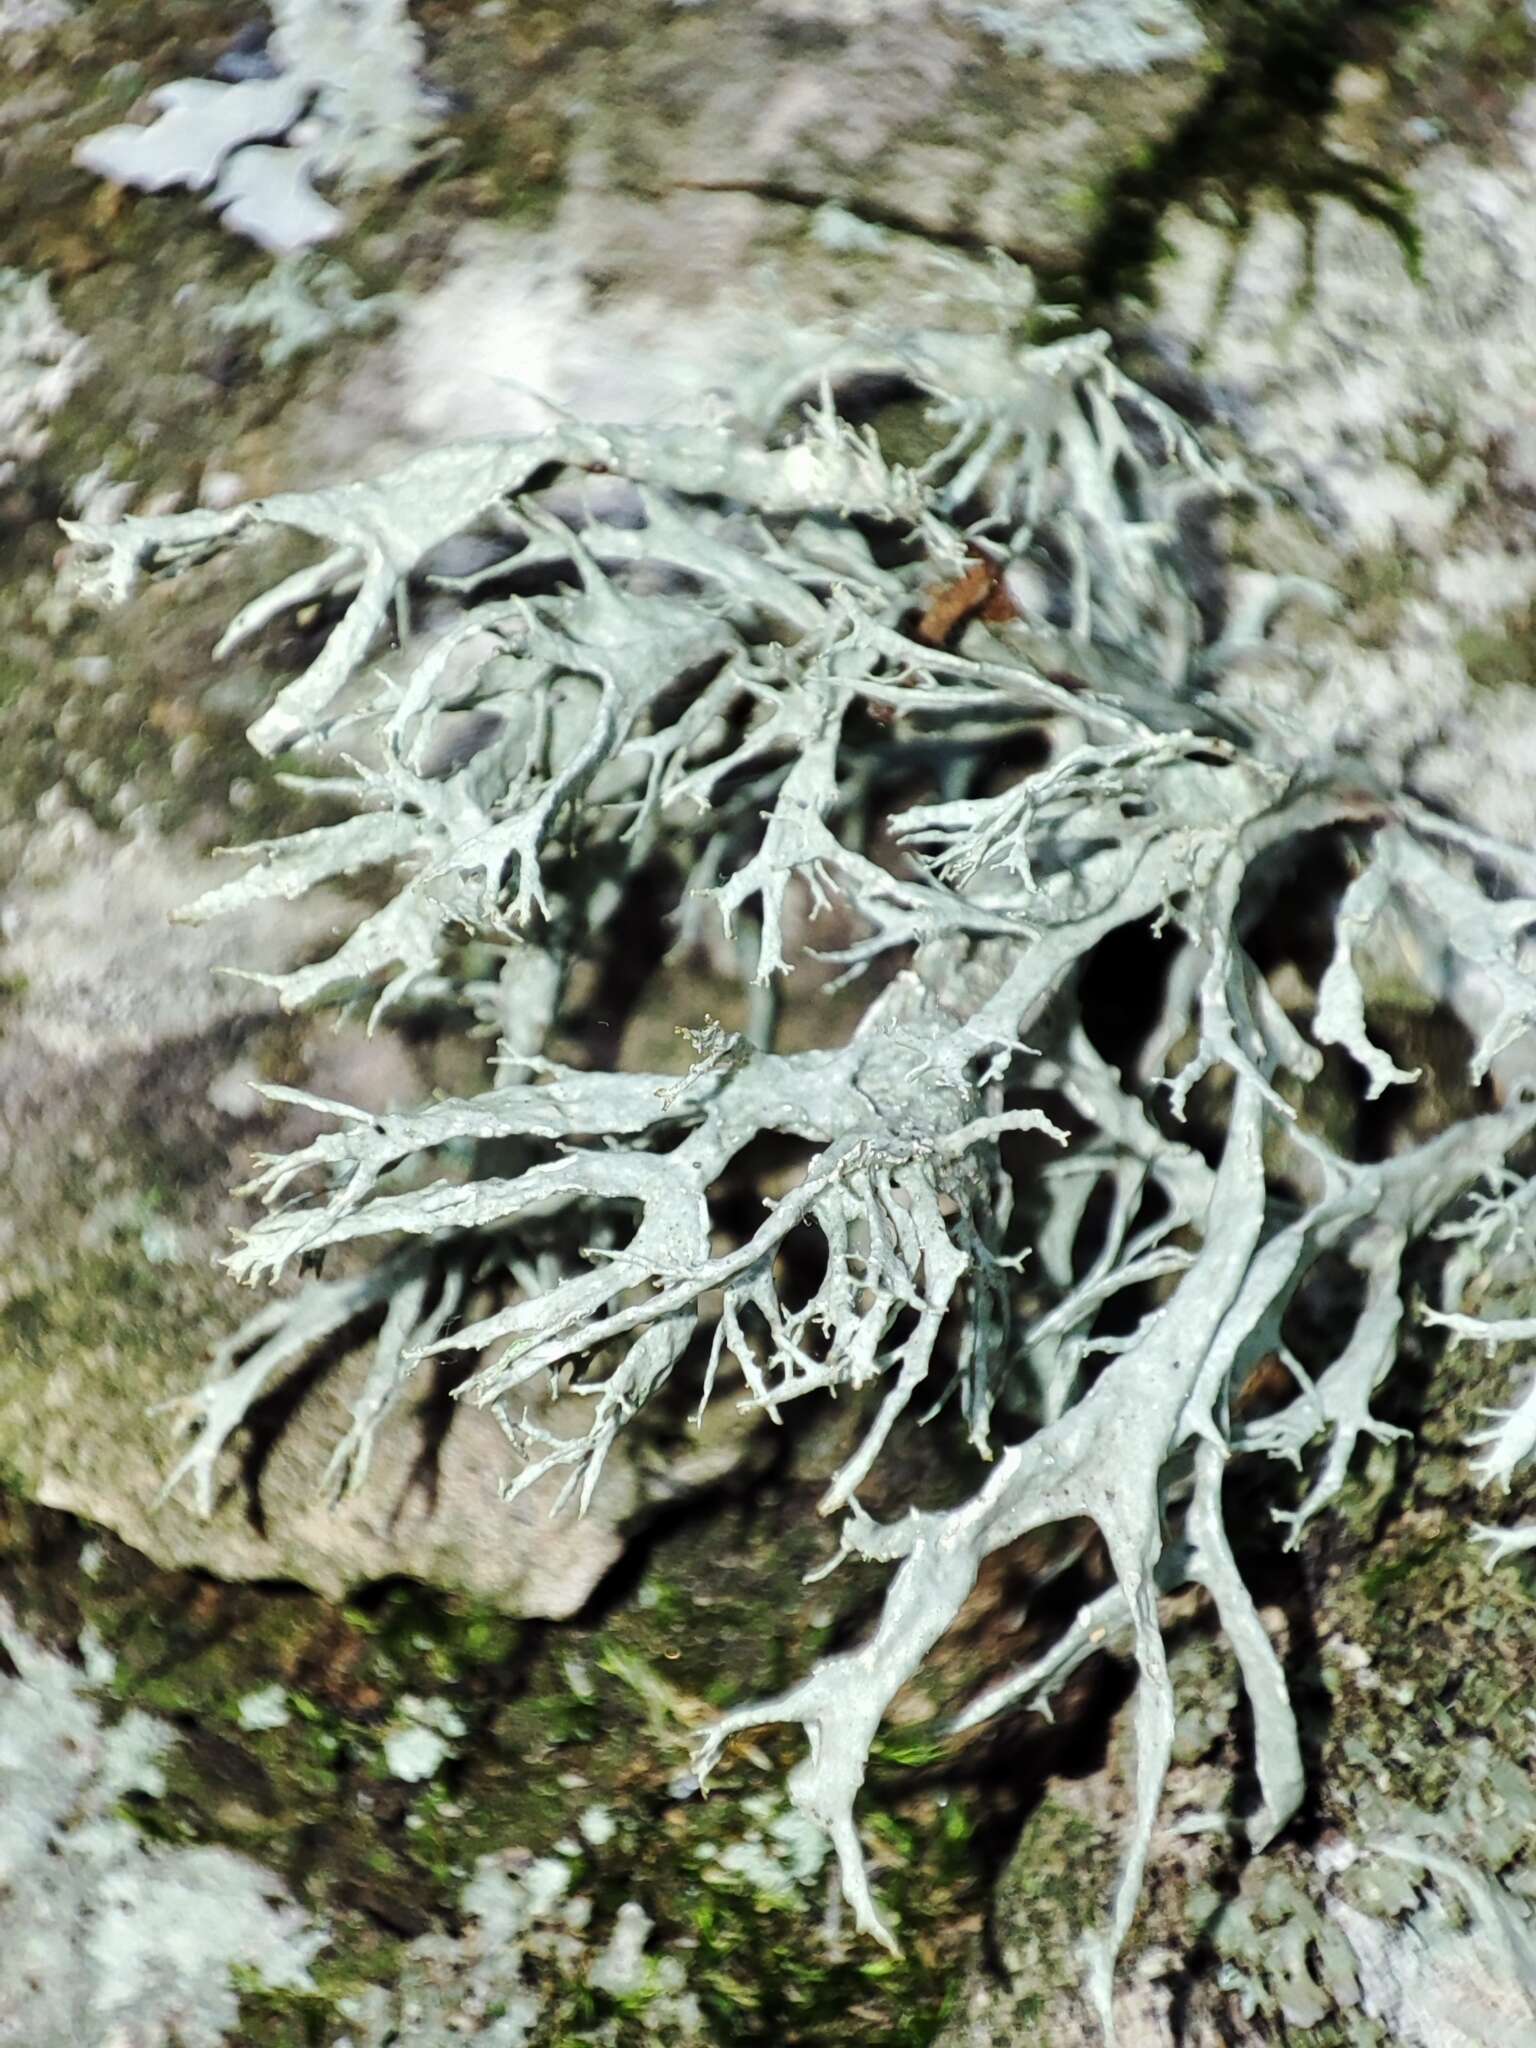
[[737, 657]]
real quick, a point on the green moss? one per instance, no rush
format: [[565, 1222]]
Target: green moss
[[909, 433], [284, 2019], [382, 1861], [1504, 659], [412, 1629]]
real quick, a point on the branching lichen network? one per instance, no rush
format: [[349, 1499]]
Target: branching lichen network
[[734, 656]]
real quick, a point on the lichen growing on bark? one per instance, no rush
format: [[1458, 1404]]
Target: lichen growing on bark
[[979, 719]]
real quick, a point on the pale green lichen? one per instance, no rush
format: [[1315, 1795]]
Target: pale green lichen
[[302, 303], [1414, 1929], [266, 1707], [526, 1930], [108, 1936], [336, 98], [1089, 35], [974, 712], [41, 362], [422, 1740]]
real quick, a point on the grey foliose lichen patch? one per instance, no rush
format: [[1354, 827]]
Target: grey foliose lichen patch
[[534, 1948], [107, 1935], [1412, 1927], [1405, 1919], [1072, 35], [31, 17], [303, 303], [1089, 35], [528, 1940], [422, 1738], [337, 96], [776, 675], [41, 362]]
